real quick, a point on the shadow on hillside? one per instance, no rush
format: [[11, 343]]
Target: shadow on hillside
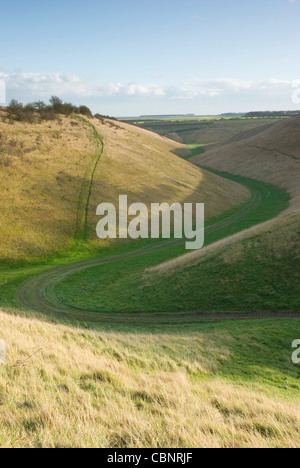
[[182, 152], [237, 362]]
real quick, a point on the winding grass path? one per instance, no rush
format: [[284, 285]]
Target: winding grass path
[[81, 225], [39, 293]]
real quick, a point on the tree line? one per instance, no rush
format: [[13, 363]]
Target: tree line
[[39, 111], [272, 114]]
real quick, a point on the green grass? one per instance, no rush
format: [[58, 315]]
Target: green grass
[[195, 150], [122, 286], [251, 277], [258, 352]]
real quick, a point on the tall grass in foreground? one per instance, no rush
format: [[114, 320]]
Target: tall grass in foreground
[[227, 385]]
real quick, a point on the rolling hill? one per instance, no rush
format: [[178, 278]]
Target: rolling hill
[[260, 266], [271, 155], [206, 131], [156, 369], [54, 174]]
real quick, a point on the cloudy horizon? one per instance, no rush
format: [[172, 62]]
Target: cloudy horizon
[[259, 96], [173, 57]]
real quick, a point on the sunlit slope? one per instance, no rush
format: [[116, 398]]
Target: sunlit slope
[[272, 155], [143, 166], [41, 171], [46, 173], [205, 386], [258, 271]]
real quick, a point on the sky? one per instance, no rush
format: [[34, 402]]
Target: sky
[[140, 57]]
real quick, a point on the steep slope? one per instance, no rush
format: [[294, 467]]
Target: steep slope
[[259, 267], [210, 386], [54, 174], [203, 132], [272, 156]]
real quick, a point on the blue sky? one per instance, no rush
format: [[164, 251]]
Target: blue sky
[[129, 57]]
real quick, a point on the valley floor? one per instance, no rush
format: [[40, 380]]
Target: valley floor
[[114, 352]]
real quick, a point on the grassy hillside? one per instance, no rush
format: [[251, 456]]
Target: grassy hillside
[[115, 351], [244, 273], [51, 181], [260, 269], [212, 385], [272, 156], [205, 132], [258, 274], [123, 286]]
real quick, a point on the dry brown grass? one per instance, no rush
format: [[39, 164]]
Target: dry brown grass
[[272, 156], [97, 389], [143, 166], [43, 166], [39, 185]]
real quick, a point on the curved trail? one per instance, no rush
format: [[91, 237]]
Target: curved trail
[[38, 293], [87, 185]]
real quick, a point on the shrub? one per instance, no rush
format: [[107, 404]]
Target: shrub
[[40, 111], [84, 110]]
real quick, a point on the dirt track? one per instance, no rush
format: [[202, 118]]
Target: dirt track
[[38, 293], [87, 185]]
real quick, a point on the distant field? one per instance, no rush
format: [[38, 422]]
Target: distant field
[[179, 118], [195, 118], [202, 131]]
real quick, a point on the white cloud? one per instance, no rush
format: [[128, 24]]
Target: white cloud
[[222, 86], [32, 86], [45, 85]]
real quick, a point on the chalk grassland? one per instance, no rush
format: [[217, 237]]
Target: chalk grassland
[[44, 169], [256, 274], [143, 166], [218, 385], [211, 384], [271, 155], [207, 131], [41, 171], [255, 270]]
